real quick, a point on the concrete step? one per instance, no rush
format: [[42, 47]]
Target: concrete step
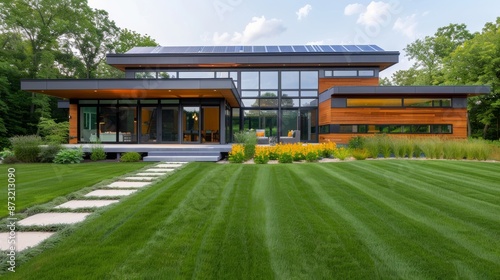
[[184, 153], [185, 158]]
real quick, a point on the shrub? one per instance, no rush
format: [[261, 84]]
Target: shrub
[[6, 153], [312, 153], [26, 148], [70, 156], [237, 153], [398, 147], [478, 149], [48, 153], [130, 157], [285, 157], [273, 152], [356, 142], [360, 154], [97, 152], [53, 132], [342, 153], [327, 149], [372, 146], [249, 141], [261, 155], [10, 159]]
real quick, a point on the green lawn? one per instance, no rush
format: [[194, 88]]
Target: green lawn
[[386, 219], [40, 183]]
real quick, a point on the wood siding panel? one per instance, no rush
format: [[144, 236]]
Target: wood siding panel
[[326, 83], [456, 117], [73, 123], [324, 112]]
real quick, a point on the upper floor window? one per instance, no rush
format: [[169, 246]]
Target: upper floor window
[[350, 73]]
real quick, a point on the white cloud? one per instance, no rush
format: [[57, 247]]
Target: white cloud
[[304, 12], [407, 26], [375, 13], [353, 9], [257, 28]]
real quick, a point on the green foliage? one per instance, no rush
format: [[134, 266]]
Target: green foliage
[[69, 156], [26, 148], [249, 141], [53, 132], [342, 153], [6, 153], [356, 142], [237, 153], [130, 157], [311, 156], [360, 154], [261, 156], [97, 152], [285, 157], [48, 152], [372, 146], [10, 159], [398, 147], [385, 145]]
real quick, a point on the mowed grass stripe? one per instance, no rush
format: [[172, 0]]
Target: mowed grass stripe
[[456, 230], [348, 220]]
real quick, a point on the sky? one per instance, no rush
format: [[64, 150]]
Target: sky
[[390, 24]]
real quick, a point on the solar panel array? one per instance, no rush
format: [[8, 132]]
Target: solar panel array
[[258, 49]]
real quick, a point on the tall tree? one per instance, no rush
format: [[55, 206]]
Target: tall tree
[[93, 37], [477, 62]]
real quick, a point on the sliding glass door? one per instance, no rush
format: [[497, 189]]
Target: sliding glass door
[[170, 124], [191, 124]]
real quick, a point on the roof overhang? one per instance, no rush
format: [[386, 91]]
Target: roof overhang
[[136, 88], [381, 60], [387, 91]]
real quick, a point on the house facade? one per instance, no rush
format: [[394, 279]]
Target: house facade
[[187, 95]]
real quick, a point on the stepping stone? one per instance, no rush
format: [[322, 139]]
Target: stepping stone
[[110, 193], [151, 174], [139, 178], [24, 240], [45, 219], [77, 204], [125, 185], [160, 170], [168, 165]]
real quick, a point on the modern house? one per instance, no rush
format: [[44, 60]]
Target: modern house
[[204, 94]]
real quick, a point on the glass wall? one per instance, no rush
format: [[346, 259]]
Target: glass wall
[[261, 119], [88, 124], [191, 124], [148, 125], [170, 124], [108, 124], [127, 123]]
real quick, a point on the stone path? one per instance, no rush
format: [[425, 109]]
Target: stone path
[[120, 188]]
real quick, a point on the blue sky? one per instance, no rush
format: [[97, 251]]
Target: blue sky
[[390, 24]]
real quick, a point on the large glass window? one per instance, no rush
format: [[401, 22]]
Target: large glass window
[[309, 79], [289, 121], [191, 124], [170, 124], [308, 123], [397, 128], [196, 75], [148, 125], [167, 75], [269, 80], [88, 124], [290, 80], [145, 75], [127, 123], [108, 124], [249, 80], [427, 102], [261, 119]]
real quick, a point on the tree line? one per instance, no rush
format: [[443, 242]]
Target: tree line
[[455, 56], [52, 39]]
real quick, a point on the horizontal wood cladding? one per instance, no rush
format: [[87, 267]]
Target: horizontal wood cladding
[[345, 137], [324, 112], [73, 123], [326, 83], [455, 116]]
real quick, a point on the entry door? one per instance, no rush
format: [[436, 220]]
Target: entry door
[[170, 125], [191, 119]]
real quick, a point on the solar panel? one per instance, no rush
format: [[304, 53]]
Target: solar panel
[[257, 49], [338, 48], [352, 48], [286, 48], [300, 48], [273, 49]]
